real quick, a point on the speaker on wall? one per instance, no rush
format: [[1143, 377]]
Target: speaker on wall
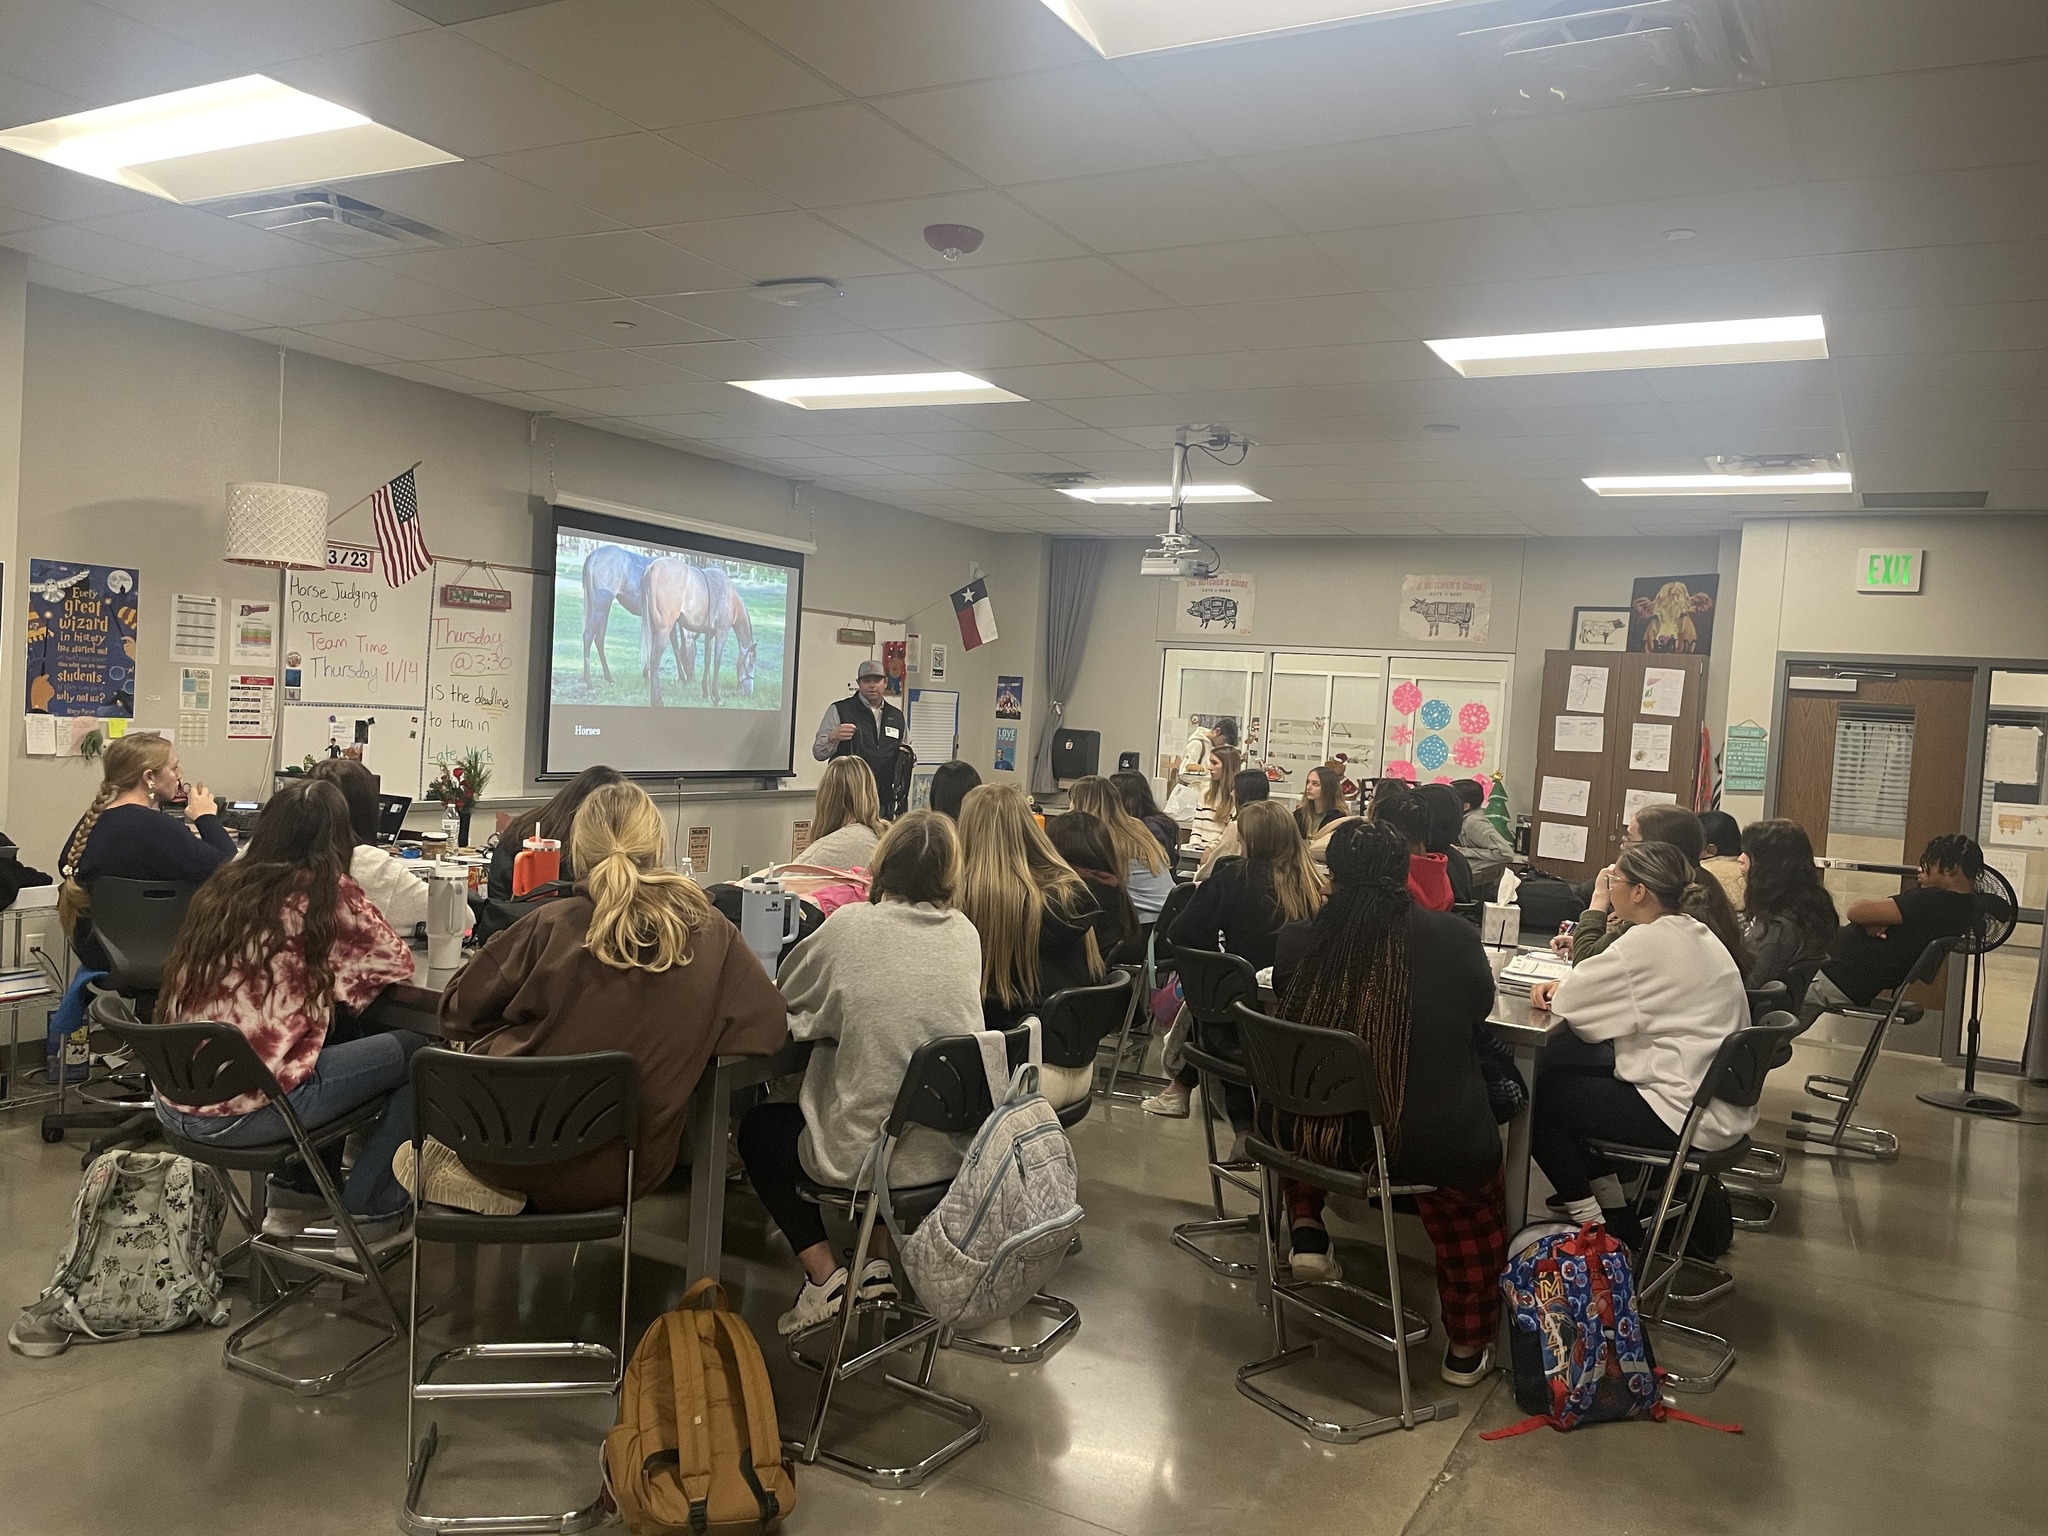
[[1074, 753]]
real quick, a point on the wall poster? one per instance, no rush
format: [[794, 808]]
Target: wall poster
[[1446, 607], [1217, 605], [81, 639], [1673, 615]]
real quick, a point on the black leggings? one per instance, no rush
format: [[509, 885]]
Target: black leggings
[[768, 1138], [1575, 1105]]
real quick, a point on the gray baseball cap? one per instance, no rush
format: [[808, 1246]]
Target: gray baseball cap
[[868, 669]]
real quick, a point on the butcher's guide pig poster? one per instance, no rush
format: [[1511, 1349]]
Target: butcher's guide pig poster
[[1218, 605], [1446, 607]]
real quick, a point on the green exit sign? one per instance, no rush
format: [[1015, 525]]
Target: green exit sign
[[1889, 570]]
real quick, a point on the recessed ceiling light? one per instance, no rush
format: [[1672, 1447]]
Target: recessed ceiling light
[[1158, 495], [869, 391], [1115, 28], [1680, 234], [1828, 483], [250, 134], [1789, 338], [626, 325]]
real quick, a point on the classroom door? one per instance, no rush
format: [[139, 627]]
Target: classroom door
[[1873, 766]]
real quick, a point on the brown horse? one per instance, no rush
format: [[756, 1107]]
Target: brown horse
[[675, 607], [609, 574], [729, 616]]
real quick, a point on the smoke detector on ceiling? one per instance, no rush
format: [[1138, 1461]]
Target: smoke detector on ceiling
[[1578, 55], [346, 226], [953, 241]]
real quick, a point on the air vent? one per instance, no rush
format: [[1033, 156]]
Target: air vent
[[1923, 501], [1060, 479], [1574, 56], [1776, 463], [343, 225]]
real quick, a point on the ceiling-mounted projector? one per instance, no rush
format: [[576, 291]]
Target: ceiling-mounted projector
[[1178, 555], [1178, 552]]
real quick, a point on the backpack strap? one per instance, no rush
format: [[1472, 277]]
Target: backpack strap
[[1519, 1427], [693, 1438], [757, 1399]]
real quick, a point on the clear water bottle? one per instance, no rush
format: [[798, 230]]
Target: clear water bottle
[[451, 827]]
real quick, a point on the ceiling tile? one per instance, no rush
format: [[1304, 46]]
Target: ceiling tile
[[321, 346], [1287, 267], [1495, 309], [441, 378], [1500, 248], [630, 262], [1451, 174], [1370, 363], [1938, 328], [1006, 344], [1203, 371], [639, 179], [1149, 209], [489, 276], [1137, 333], [515, 373], [716, 360], [371, 289], [480, 202], [51, 192], [618, 322], [911, 299], [770, 245], [851, 352], [1817, 42], [1656, 149], [394, 338], [660, 63], [1730, 290], [1762, 222], [1080, 286], [899, 45], [439, 86], [262, 32], [500, 330], [747, 318], [1014, 235], [1324, 320], [199, 235], [23, 102], [1881, 125], [1989, 203], [823, 156], [263, 303], [177, 308], [85, 250], [608, 365], [11, 220], [97, 57], [1066, 122], [1066, 381]]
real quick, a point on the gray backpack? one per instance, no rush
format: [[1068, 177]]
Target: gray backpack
[[140, 1258], [1003, 1229]]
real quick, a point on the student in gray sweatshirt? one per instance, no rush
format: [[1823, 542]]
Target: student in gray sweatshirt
[[870, 986]]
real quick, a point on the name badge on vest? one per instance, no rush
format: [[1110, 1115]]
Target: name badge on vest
[[891, 732]]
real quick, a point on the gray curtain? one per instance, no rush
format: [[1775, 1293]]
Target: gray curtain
[[1069, 604]]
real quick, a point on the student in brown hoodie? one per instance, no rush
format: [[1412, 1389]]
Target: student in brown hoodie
[[636, 960]]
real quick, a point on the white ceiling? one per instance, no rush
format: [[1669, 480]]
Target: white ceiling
[[1259, 234]]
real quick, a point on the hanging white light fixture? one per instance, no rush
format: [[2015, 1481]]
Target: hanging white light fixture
[[283, 527]]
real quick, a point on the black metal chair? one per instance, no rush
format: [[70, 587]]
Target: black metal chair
[[945, 1088], [1212, 984], [1304, 1070], [1764, 1168], [522, 1112], [1735, 1077], [1838, 1132], [136, 922], [1158, 969], [197, 1065]]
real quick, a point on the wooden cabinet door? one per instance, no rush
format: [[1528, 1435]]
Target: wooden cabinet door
[[1595, 770], [1672, 739]]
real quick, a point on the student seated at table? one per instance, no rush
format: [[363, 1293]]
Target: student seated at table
[[870, 987], [950, 783], [1135, 790], [1322, 800], [1884, 935], [1788, 916], [1036, 917], [1083, 841], [1219, 799], [1664, 996], [1415, 986], [635, 959], [1240, 909], [1146, 866], [1597, 926], [1488, 852], [551, 821], [123, 834], [1250, 787], [1721, 853], [1429, 874], [385, 878], [846, 821], [1446, 819], [274, 944]]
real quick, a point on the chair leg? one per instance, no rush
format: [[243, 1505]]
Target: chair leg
[[1186, 1233], [1066, 1323], [1840, 1133]]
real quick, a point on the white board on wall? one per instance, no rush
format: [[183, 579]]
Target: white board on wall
[[396, 736], [825, 673], [477, 677], [351, 639]]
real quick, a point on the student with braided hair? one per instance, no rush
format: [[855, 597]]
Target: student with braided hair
[[123, 834], [1415, 986]]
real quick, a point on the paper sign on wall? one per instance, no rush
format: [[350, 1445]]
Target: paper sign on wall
[[1636, 799], [1446, 607], [195, 627], [1663, 691], [1649, 749], [1009, 698], [1218, 605], [2020, 826], [1577, 734], [799, 838], [1744, 757], [252, 705], [1587, 690], [81, 639], [252, 630], [1561, 840], [700, 849], [2011, 863], [1564, 797], [2014, 756]]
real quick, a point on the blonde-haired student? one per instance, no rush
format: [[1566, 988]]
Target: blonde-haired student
[[636, 959]]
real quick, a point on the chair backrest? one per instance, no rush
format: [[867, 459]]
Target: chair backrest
[[1930, 961], [1169, 909], [1799, 976], [523, 1110], [1744, 1060], [1305, 1069], [945, 1088], [1088, 1015], [192, 1066], [1771, 997], [1212, 980], [391, 812], [137, 922]]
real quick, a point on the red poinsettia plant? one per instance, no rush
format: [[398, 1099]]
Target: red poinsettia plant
[[461, 782]]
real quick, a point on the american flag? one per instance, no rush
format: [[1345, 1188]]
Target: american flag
[[395, 506]]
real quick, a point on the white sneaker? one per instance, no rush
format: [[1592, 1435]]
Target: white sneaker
[[1174, 1103], [877, 1282], [815, 1304], [449, 1182], [1473, 1377], [1315, 1268]]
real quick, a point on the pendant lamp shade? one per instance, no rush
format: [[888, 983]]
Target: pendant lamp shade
[[280, 526]]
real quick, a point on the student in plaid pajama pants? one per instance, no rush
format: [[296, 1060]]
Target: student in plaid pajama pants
[[1415, 986]]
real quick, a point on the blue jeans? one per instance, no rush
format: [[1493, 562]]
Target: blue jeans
[[346, 1076]]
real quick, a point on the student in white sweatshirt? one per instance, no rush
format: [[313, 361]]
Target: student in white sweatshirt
[[1664, 995]]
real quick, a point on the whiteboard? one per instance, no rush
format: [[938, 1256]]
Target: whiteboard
[[477, 677], [825, 674], [351, 640], [393, 754]]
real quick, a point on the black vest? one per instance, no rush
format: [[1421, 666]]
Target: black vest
[[882, 752]]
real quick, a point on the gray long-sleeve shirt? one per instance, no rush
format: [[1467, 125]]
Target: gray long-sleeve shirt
[[822, 744]]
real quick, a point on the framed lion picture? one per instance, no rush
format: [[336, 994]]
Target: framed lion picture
[[1673, 615]]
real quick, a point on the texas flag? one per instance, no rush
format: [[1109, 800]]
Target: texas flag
[[977, 618]]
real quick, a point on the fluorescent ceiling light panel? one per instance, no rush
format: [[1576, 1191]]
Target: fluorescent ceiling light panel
[[873, 390], [250, 134], [1157, 495], [1116, 28], [1789, 338], [1831, 483]]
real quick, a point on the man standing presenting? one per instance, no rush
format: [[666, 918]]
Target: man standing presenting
[[870, 728]]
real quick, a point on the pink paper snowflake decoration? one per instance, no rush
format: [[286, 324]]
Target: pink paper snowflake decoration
[[1473, 719], [1403, 734], [1470, 751], [1401, 770], [1442, 778], [1407, 699]]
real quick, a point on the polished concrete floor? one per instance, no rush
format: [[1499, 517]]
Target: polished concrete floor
[[1891, 1329]]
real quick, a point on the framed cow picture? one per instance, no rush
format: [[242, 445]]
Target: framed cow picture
[[1600, 629], [1673, 615]]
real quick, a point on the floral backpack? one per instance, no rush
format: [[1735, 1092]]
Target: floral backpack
[[1577, 1346], [140, 1258]]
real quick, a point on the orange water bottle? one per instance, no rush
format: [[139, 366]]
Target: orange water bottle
[[538, 863]]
